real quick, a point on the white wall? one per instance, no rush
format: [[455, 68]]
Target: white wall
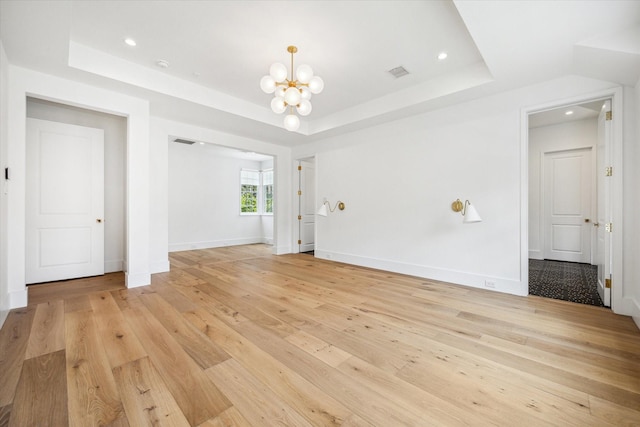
[[546, 139], [398, 181], [115, 140], [4, 114], [204, 200]]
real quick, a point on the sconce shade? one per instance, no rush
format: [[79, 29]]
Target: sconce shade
[[471, 214], [323, 209]]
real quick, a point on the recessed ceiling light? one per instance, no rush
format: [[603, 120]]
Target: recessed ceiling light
[[162, 63], [568, 113], [130, 41], [442, 55], [202, 143]]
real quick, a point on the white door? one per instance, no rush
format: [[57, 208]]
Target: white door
[[307, 214], [603, 241], [64, 201], [567, 205]]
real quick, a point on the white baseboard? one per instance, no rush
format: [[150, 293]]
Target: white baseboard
[[159, 267], [499, 284], [136, 280], [19, 298], [190, 246], [283, 249], [3, 316], [113, 266], [535, 254], [630, 307]]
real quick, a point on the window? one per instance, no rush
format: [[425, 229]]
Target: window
[[249, 184], [267, 191], [256, 192]]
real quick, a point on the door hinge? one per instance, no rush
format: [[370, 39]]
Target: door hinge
[[608, 227], [299, 242], [607, 283], [608, 115], [299, 217], [608, 171], [299, 192], [299, 167]]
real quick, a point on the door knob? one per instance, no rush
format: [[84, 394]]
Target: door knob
[[595, 224], [587, 220], [99, 220]]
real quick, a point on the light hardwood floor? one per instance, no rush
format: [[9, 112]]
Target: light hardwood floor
[[236, 336]]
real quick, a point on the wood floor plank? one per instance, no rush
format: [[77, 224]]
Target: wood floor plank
[[231, 417], [253, 397], [203, 351], [119, 340], [313, 404], [146, 399], [41, 396], [5, 413], [14, 338], [47, 330], [198, 398], [329, 354], [93, 396], [66, 289], [365, 402]]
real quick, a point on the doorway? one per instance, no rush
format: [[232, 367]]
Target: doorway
[[306, 205], [565, 150], [107, 255]]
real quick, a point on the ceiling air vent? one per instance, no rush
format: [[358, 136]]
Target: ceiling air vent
[[184, 141], [398, 72]]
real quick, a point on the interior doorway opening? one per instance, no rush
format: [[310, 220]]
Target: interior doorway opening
[[569, 202], [306, 206], [59, 250]]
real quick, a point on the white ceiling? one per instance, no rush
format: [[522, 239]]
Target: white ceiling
[[492, 46], [570, 113]]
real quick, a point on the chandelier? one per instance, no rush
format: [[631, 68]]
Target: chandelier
[[292, 94]]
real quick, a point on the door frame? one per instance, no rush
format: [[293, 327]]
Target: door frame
[[615, 94], [27, 83]]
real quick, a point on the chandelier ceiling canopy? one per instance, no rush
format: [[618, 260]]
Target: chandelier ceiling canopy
[[292, 93]]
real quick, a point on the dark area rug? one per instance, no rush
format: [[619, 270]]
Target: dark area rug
[[568, 281]]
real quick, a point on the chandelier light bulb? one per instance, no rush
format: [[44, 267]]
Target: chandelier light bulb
[[304, 73], [277, 105], [278, 71], [291, 122], [292, 96], [304, 108], [305, 93], [279, 91], [268, 84], [316, 85]]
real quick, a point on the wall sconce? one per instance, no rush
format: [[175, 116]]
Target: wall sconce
[[469, 213], [323, 209]]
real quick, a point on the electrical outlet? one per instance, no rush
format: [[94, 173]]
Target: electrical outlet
[[489, 284]]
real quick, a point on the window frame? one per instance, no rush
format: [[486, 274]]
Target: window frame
[[260, 193]]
